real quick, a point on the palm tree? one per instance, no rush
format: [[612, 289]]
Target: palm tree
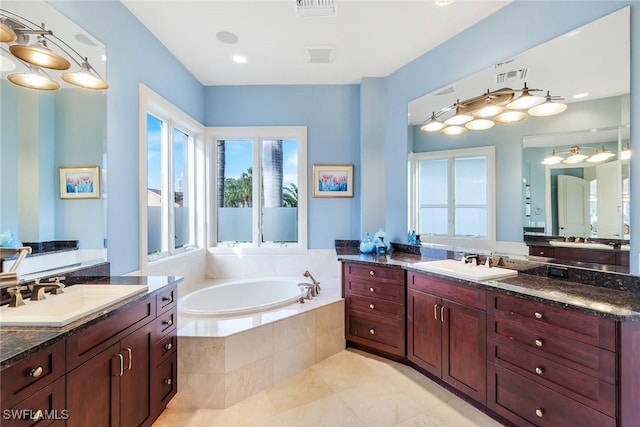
[[272, 173], [290, 196], [220, 144], [237, 191]]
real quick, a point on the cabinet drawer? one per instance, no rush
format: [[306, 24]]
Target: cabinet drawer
[[387, 291], [588, 390], [544, 251], [591, 255], [374, 306], [583, 327], [164, 347], [582, 357], [47, 407], [24, 378], [376, 331], [374, 272], [166, 299], [165, 321], [526, 403], [165, 384], [467, 295]]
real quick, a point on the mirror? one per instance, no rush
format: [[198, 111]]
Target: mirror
[[42, 131], [588, 67]]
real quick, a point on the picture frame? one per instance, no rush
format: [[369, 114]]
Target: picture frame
[[80, 182], [332, 180]]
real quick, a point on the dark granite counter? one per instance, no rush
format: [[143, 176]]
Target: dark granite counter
[[18, 342], [605, 294]]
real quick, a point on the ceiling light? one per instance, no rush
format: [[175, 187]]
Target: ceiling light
[[489, 111], [39, 55], [443, 2], [479, 124], [576, 156], [525, 100], [459, 118], [548, 107], [625, 154], [454, 130], [552, 159], [432, 125], [239, 59], [600, 155], [511, 117]]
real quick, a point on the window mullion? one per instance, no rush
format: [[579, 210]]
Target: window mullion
[[256, 189], [170, 229], [452, 196]]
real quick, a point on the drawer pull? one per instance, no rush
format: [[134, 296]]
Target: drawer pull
[[435, 311], [168, 346], [541, 252], [36, 372], [372, 306], [372, 273], [539, 343], [121, 365], [442, 314], [538, 315], [372, 331], [372, 290], [539, 370], [539, 412], [128, 350], [167, 381], [168, 322], [167, 299]]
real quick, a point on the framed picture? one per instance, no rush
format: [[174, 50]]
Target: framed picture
[[332, 180], [80, 182]]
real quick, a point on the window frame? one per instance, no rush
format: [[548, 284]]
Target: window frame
[[257, 134], [174, 118], [450, 156]]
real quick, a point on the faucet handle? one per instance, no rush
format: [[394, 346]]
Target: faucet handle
[[16, 296]]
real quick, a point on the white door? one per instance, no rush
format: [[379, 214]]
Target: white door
[[573, 206], [609, 200]]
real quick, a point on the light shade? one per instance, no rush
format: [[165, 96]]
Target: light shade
[[431, 124], [7, 35], [39, 54], [601, 155], [489, 111], [85, 78], [454, 130], [625, 154], [552, 159], [459, 119], [525, 100], [547, 108], [479, 124], [511, 117], [34, 78]]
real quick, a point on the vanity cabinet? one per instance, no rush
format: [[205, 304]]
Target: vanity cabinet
[[375, 306], [550, 366], [446, 332], [600, 256], [164, 354]]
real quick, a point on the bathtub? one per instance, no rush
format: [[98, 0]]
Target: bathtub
[[241, 296]]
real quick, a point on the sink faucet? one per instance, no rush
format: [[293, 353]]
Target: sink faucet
[[10, 277], [473, 259], [38, 289], [316, 285]]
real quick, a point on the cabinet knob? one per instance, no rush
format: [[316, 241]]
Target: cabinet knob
[[539, 370], [167, 381], [538, 315], [168, 346], [371, 290], [372, 273], [541, 252], [167, 299], [539, 412], [539, 343], [36, 372], [372, 331], [168, 322], [372, 306]]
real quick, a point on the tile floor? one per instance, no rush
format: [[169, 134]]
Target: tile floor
[[351, 388]]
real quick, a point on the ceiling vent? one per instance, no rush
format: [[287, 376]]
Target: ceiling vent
[[320, 54], [512, 76], [307, 8]]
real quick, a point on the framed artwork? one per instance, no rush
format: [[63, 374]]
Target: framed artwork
[[333, 180], [80, 182]]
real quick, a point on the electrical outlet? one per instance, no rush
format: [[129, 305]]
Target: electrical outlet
[[559, 272]]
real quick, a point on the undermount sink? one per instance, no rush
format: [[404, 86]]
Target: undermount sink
[[467, 271], [582, 245], [76, 302]]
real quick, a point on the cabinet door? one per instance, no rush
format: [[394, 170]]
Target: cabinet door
[[93, 391], [464, 349], [424, 328], [135, 385]]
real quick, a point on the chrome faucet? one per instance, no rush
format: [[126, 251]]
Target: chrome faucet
[[38, 289], [316, 284], [306, 291]]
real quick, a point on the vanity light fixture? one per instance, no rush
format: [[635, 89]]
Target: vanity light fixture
[[625, 154], [16, 31], [552, 159], [502, 106], [577, 154], [601, 155]]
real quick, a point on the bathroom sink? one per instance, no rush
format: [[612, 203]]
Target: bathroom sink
[[625, 247], [580, 245], [59, 310], [467, 271]]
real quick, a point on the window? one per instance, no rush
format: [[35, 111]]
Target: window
[[259, 175], [451, 194], [168, 214]]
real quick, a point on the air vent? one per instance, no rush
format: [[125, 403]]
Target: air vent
[[502, 64], [320, 54], [307, 8], [511, 76]]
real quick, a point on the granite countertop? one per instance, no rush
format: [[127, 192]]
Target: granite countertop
[[604, 302], [18, 342]]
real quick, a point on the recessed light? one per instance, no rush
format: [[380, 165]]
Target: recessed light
[[227, 37], [581, 95], [239, 59], [573, 33], [443, 2]]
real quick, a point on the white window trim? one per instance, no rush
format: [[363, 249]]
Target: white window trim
[[258, 133], [487, 241], [152, 103]]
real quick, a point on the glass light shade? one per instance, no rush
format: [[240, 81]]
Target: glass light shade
[[552, 159], [489, 111], [454, 130], [511, 117], [84, 78], [459, 119], [600, 156], [39, 54], [479, 124], [547, 108], [575, 158], [7, 35], [526, 100], [34, 78], [432, 126], [626, 153]]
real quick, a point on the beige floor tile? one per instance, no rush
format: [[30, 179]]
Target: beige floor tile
[[329, 411], [423, 419], [420, 388], [458, 413], [171, 418], [298, 390], [344, 370], [257, 410]]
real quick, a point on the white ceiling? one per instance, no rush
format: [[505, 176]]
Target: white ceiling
[[372, 38]]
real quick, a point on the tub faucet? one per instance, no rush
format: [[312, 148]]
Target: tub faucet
[[306, 291], [316, 284]]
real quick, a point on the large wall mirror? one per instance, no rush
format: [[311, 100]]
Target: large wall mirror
[[43, 130], [590, 69]]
